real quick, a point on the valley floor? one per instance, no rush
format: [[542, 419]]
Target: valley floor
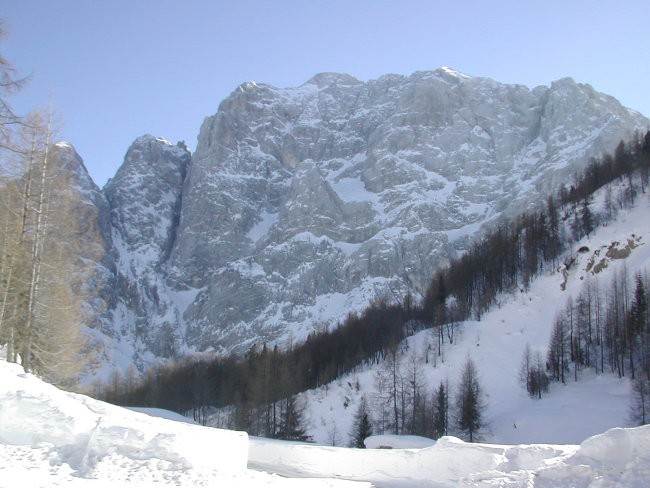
[[52, 438]]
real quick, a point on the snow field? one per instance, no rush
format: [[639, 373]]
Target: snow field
[[617, 458], [53, 438], [50, 438], [33, 413]]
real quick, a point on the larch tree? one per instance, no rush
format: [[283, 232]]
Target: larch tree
[[532, 373], [390, 392], [40, 312], [10, 83]]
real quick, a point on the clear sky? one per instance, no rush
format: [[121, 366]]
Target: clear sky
[[117, 69]]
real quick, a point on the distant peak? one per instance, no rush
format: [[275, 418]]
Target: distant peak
[[452, 72], [445, 73], [64, 145], [327, 79], [148, 138], [566, 81], [248, 85]]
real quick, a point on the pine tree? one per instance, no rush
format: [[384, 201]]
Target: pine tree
[[640, 408], [291, 422], [441, 411], [469, 401], [361, 427]]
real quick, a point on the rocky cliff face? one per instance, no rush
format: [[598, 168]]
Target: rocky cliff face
[[145, 199], [303, 204]]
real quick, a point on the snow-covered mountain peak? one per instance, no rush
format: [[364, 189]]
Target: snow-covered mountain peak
[[453, 72], [302, 204], [329, 78]]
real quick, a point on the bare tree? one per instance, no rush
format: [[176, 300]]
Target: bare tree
[[40, 313], [10, 83], [532, 373], [389, 383]]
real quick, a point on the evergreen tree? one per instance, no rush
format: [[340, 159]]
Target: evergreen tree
[[441, 411], [636, 325], [361, 427], [291, 422], [639, 308], [557, 356], [469, 401], [586, 218], [640, 408]]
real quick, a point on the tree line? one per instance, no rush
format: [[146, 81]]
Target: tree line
[[515, 252], [402, 404]]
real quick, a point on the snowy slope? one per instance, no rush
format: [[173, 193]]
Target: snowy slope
[[569, 413], [52, 438]]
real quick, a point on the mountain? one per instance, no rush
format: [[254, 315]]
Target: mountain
[[303, 204]]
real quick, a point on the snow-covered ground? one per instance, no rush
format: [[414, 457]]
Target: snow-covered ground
[[52, 438]]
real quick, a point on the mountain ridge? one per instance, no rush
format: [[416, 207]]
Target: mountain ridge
[[302, 204]]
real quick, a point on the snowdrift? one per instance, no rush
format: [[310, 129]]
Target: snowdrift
[[52, 438], [32, 413], [619, 457]]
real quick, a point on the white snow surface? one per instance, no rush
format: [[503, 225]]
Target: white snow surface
[[52, 438], [49, 437], [397, 442]]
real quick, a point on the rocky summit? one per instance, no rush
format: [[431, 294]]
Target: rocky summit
[[301, 205]]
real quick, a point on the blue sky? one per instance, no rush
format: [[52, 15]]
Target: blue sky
[[117, 69]]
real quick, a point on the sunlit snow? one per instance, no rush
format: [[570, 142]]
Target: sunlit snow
[[52, 438]]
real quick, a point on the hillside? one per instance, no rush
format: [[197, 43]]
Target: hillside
[[568, 413]]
